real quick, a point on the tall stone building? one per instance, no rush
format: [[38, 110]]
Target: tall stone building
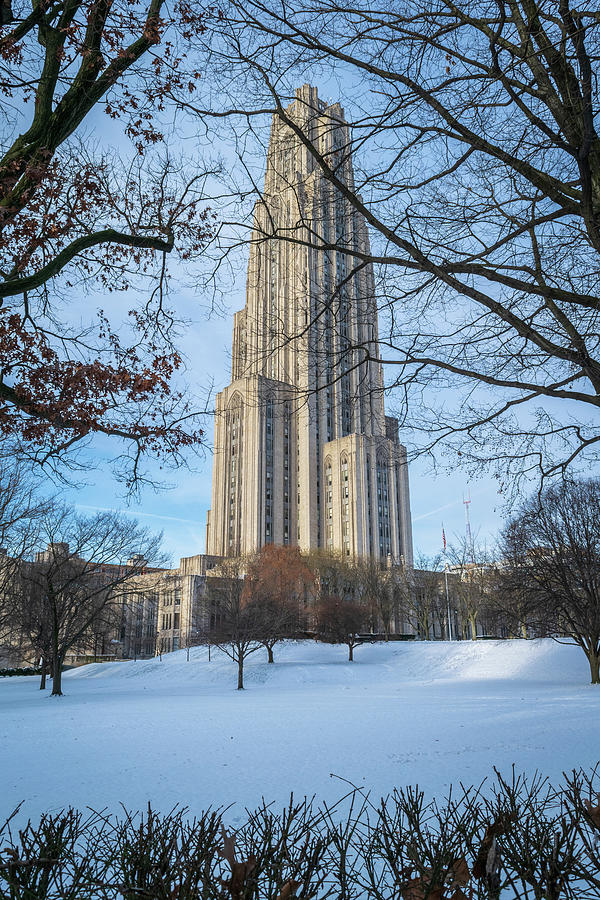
[[304, 453]]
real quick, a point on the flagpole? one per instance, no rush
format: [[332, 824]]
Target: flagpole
[[446, 582]]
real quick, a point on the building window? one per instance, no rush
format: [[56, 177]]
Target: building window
[[235, 438], [329, 503], [383, 506], [287, 412], [268, 497]]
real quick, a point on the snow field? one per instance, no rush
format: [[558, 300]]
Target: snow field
[[175, 732]]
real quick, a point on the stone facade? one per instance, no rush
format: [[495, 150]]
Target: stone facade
[[157, 610], [183, 610], [166, 610], [304, 453]]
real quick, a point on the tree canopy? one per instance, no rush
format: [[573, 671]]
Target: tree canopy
[[94, 199]]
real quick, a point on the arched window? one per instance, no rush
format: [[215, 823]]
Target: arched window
[[383, 505], [287, 424], [235, 439], [328, 504], [402, 549], [369, 509], [269, 468], [345, 498]]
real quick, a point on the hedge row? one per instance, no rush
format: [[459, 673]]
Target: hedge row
[[29, 670], [514, 838]]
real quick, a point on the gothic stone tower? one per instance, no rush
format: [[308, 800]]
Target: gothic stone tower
[[304, 453]]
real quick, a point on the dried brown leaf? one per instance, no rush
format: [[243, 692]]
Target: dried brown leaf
[[288, 890], [420, 888], [481, 866], [593, 811], [459, 894], [459, 873]]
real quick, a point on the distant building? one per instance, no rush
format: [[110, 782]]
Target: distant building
[[165, 610], [183, 609], [304, 453]]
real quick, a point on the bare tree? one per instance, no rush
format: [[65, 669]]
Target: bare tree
[[471, 565], [138, 615], [421, 592], [277, 583], [551, 550], [340, 620], [477, 157], [239, 624], [29, 626], [21, 506], [375, 590], [333, 574], [515, 605], [68, 591]]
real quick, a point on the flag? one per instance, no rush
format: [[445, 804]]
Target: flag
[[444, 538]]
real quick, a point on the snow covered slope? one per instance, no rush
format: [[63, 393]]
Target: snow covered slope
[[177, 732]]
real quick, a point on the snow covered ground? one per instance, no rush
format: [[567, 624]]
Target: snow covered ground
[[177, 732]]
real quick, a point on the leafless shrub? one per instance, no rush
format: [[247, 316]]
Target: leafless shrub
[[516, 838]]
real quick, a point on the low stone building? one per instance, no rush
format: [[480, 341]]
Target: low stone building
[[166, 610]]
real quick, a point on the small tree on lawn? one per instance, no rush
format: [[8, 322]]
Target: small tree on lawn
[[277, 582], [340, 621], [238, 628], [551, 550], [67, 592]]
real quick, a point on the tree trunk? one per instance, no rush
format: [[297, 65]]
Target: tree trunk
[[524, 631], [240, 686], [57, 659], [350, 652], [473, 623], [594, 661], [269, 653], [56, 676], [43, 678]]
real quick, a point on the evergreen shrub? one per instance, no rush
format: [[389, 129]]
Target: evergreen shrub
[[27, 670]]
